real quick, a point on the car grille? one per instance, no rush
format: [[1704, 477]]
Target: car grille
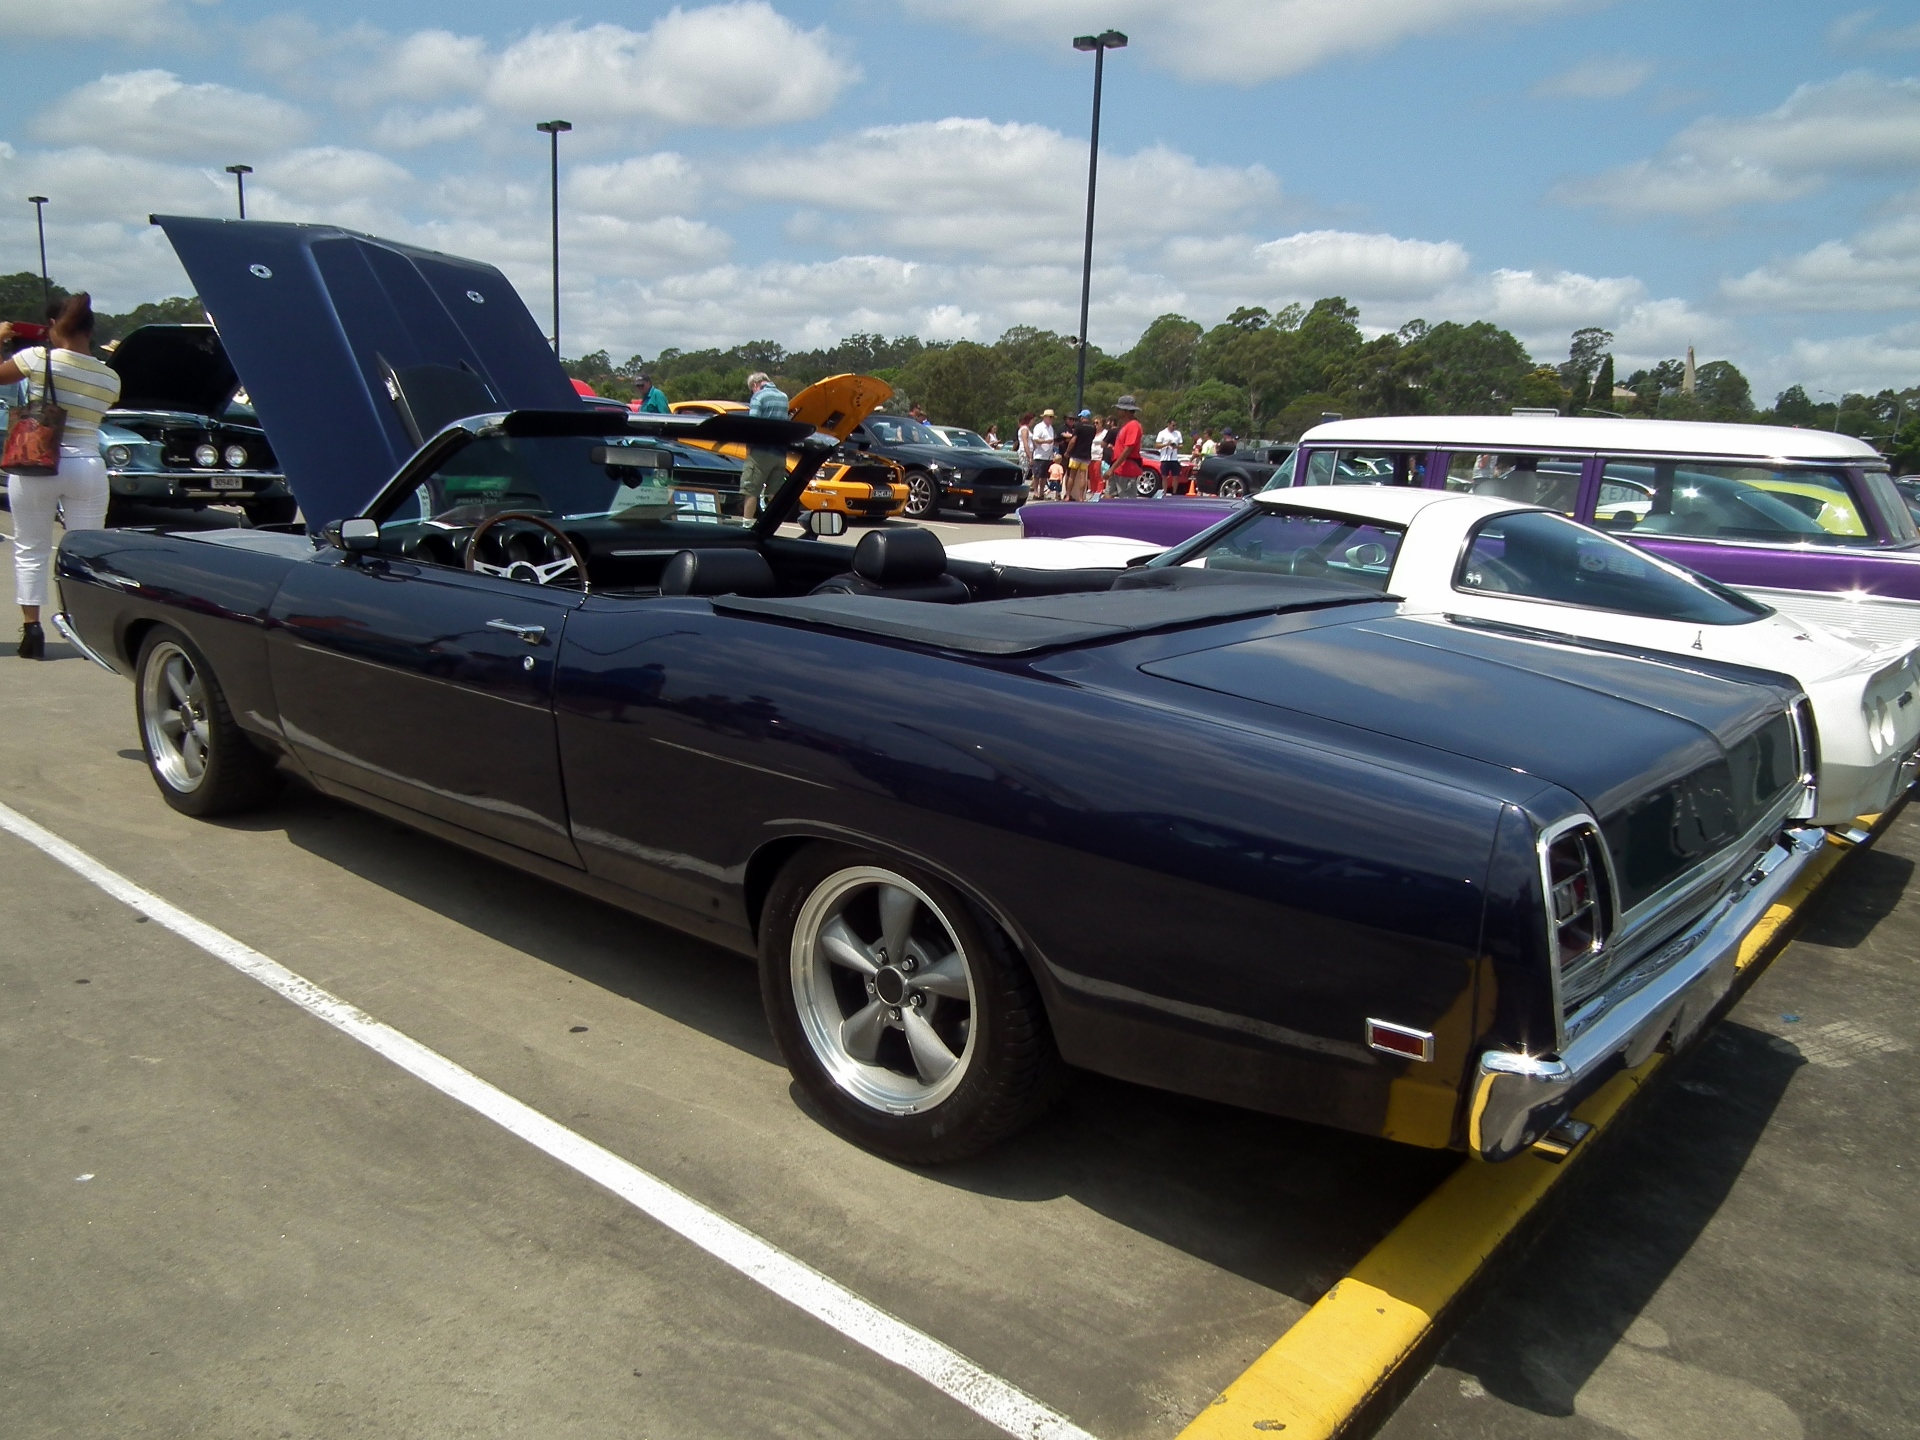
[[998, 475]]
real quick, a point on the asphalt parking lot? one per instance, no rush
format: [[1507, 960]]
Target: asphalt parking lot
[[223, 1217]]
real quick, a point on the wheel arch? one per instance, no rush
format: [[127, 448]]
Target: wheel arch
[[774, 854]]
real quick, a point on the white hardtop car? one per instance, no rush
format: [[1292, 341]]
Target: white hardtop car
[[1502, 562]]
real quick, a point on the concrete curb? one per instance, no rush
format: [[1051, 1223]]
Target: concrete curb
[[1325, 1377]]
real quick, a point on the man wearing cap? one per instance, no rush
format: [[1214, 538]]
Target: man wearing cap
[[1043, 451], [648, 400], [1126, 468], [1076, 443]]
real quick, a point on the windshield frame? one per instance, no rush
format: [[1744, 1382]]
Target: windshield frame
[[1756, 610]]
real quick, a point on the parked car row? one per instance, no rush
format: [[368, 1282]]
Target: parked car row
[[1238, 822]]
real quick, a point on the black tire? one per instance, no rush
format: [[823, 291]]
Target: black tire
[[233, 775], [272, 510], [923, 496], [1234, 487], [1008, 1070]]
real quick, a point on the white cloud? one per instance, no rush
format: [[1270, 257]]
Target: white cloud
[[1235, 42], [1857, 31], [424, 66], [1000, 190], [1877, 270], [1598, 77], [736, 64], [1866, 364], [155, 113], [639, 187], [82, 19], [404, 129], [1858, 123]]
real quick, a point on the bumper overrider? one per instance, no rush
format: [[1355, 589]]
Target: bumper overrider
[[1518, 1098]]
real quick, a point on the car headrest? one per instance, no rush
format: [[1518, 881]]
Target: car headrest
[[899, 557], [733, 571]]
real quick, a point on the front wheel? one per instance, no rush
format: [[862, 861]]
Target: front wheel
[[904, 1015], [921, 495], [1233, 487], [1147, 486], [199, 757]]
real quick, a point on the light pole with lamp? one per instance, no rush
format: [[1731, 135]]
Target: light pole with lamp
[[239, 174], [39, 203], [1099, 45], [552, 130]]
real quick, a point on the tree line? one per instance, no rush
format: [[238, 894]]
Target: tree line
[[1261, 373]]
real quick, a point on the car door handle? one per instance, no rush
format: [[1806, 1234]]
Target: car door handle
[[532, 634]]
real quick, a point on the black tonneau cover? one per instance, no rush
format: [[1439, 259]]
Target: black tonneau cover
[[1020, 627]]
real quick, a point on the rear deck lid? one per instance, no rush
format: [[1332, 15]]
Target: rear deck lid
[[354, 348]]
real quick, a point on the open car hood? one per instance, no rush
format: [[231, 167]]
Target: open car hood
[[174, 367], [354, 349]]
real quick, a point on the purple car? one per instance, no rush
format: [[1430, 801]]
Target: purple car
[[1804, 520]]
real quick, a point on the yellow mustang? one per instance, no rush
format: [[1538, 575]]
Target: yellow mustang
[[869, 488]]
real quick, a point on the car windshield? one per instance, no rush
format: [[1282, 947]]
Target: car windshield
[[897, 430], [1295, 542], [1536, 556], [631, 479]]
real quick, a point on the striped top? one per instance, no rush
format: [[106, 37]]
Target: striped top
[[83, 386]]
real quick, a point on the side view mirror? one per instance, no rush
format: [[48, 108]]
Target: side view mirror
[[359, 535], [825, 522]]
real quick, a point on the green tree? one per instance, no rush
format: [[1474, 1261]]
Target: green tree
[[1468, 369], [961, 384], [1602, 396], [1793, 407], [1211, 405], [1722, 391], [1540, 388], [21, 297], [1163, 358]]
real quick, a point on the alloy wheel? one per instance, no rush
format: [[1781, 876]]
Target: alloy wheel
[[884, 990], [919, 494], [174, 715]]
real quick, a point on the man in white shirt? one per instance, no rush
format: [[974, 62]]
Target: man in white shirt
[[1169, 442], [1042, 453]]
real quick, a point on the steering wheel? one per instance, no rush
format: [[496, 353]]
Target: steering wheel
[[547, 572]]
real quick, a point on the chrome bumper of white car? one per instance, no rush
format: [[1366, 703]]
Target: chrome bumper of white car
[[1518, 1098]]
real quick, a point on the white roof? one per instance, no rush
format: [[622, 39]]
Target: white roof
[[1577, 433], [1391, 504]]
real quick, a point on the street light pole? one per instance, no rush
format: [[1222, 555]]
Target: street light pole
[[552, 130], [40, 221], [1099, 45], [239, 174]]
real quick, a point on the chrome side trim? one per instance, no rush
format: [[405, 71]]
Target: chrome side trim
[[1518, 1097], [72, 637]]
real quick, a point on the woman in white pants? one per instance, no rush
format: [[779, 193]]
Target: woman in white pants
[[77, 493]]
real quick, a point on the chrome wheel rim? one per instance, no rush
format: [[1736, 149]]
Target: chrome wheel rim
[[173, 708], [919, 494], [884, 990], [1233, 488]]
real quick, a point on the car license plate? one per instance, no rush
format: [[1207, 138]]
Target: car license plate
[[227, 482]]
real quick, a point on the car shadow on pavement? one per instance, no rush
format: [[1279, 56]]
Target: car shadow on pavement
[[1849, 913], [1286, 1205], [1558, 1311]]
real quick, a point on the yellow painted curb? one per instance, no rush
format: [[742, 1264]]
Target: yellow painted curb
[[1315, 1378]]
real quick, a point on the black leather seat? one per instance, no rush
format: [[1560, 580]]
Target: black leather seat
[[900, 565], [737, 571]]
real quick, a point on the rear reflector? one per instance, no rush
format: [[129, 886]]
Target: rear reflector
[[1385, 1036]]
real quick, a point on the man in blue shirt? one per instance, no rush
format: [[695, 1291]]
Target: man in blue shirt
[[766, 466]]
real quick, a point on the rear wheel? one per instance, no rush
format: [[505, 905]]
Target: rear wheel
[[922, 497], [1147, 486], [904, 1015], [199, 757], [1233, 487]]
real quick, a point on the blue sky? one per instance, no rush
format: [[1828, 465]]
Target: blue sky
[[1745, 179]]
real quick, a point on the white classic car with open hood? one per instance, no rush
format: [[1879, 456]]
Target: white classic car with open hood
[[1520, 567]]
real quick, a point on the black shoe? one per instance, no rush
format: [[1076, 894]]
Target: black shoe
[[33, 641]]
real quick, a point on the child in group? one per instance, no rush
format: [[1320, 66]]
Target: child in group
[[1056, 480]]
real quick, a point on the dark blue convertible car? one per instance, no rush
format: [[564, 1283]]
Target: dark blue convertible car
[[1250, 835]]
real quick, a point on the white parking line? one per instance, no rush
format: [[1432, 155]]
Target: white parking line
[[987, 1395]]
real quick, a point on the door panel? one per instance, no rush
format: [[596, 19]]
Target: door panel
[[390, 678]]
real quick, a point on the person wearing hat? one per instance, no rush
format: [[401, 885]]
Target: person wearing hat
[[1126, 468], [1043, 451], [648, 399], [1076, 444]]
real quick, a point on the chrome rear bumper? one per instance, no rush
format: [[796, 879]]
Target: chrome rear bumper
[[1518, 1098]]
